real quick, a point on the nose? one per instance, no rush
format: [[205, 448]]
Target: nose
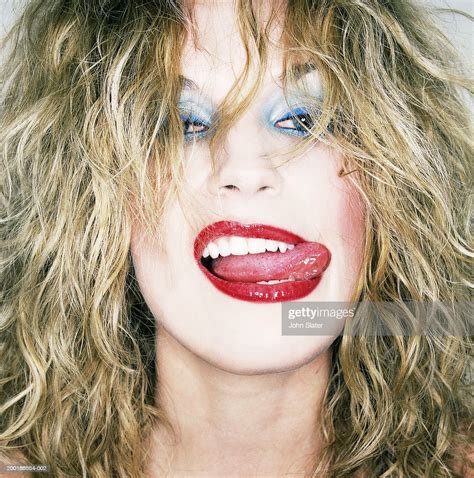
[[243, 171], [245, 181]]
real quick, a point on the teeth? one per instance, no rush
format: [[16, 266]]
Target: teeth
[[240, 246], [269, 282], [271, 246], [223, 246], [213, 250], [256, 245]]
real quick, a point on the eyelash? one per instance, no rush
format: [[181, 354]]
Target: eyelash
[[192, 119], [298, 130], [299, 116]]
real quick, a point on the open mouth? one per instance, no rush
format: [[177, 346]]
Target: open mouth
[[259, 263]]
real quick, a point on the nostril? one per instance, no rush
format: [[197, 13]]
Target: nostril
[[264, 188], [231, 186]]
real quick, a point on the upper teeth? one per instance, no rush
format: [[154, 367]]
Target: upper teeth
[[239, 246]]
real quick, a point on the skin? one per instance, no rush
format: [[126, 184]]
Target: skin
[[243, 399]]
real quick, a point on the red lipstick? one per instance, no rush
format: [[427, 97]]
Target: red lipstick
[[240, 275]]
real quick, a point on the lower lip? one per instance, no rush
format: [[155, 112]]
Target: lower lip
[[254, 292]]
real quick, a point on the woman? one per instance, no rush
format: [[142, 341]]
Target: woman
[[175, 172]]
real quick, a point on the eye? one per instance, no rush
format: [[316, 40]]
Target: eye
[[193, 126], [297, 122]]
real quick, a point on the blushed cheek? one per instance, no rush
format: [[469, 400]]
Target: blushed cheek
[[344, 211], [135, 237], [352, 221], [348, 210]]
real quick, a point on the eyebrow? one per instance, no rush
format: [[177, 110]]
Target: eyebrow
[[188, 84], [299, 70]]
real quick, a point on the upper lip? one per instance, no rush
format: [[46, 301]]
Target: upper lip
[[234, 228]]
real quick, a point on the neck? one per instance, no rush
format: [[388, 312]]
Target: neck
[[226, 424]]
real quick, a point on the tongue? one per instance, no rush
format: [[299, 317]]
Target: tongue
[[306, 261]]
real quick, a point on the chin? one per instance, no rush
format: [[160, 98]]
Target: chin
[[246, 339], [295, 353]]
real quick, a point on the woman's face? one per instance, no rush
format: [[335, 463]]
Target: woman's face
[[233, 322]]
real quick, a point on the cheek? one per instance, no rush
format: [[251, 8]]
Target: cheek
[[352, 209], [353, 220], [335, 207], [331, 200], [351, 217]]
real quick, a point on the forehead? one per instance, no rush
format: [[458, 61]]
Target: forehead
[[219, 55]]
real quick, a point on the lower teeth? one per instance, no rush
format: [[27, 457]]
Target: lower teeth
[[273, 281]]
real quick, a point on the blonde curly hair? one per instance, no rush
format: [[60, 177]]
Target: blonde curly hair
[[91, 140]]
